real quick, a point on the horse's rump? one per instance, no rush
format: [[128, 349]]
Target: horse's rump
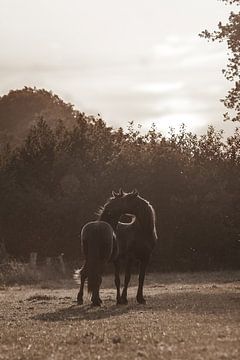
[[97, 241]]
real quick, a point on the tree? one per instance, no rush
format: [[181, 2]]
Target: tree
[[230, 33], [20, 109]]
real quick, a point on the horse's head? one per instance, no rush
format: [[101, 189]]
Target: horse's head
[[122, 203], [131, 201], [115, 206]]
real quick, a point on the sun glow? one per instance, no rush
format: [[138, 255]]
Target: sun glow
[[164, 123]]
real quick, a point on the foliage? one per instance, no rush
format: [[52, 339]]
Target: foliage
[[20, 109], [230, 33], [56, 179]]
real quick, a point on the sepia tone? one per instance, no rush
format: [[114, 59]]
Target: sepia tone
[[119, 239]]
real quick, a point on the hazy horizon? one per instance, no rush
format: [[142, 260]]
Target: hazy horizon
[[140, 61]]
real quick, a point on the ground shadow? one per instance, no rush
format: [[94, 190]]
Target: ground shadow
[[85, 312], [193, 302]]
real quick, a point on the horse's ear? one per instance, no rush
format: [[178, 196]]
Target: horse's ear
[[114, 194], [135, 192], [121, 193]]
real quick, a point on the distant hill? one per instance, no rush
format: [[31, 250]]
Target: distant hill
[[20, 109]]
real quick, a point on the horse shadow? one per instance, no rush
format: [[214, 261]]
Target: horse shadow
[[191, 302], [85, 312]]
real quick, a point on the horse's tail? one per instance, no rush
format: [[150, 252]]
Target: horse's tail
[[97, 239], [94, 265]]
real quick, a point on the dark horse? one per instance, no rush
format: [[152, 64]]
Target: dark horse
[[109, 240]]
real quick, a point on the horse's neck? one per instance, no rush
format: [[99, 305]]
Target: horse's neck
[[111, 221]]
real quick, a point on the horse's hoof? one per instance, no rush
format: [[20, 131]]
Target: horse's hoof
[[141, 301], [96, 303], [79, 300], [123, 301]]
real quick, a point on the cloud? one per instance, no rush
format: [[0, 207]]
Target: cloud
[[160, 87], [181, 82], [175, 80]]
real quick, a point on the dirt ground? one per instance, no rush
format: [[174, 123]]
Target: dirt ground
[[187, 316]]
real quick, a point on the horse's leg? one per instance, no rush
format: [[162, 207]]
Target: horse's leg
[[126, 281], [96, 301], [117, 280], [83, 276], [142, 271]]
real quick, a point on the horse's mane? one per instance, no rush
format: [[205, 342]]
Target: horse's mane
[[102, 208], [99, 212]]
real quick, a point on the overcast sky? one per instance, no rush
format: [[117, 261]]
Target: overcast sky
[[139, 60]]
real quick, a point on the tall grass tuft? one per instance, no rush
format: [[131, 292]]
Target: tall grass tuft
[[14, 272]]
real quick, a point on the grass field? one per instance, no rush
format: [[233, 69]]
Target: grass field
[[187, 316]]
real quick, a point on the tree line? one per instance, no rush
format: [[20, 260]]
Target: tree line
[[58, 165], [57, 177]]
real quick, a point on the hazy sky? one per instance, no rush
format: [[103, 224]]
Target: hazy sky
[[139, 60]]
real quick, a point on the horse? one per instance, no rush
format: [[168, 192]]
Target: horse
[[136, 240], [99, 244], [109, 240]]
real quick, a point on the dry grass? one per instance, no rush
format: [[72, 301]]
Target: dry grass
[[187, 316], [14, 272], [18, 273]]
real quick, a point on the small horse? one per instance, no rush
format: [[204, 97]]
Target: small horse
[[107, 239], [99, 246]]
